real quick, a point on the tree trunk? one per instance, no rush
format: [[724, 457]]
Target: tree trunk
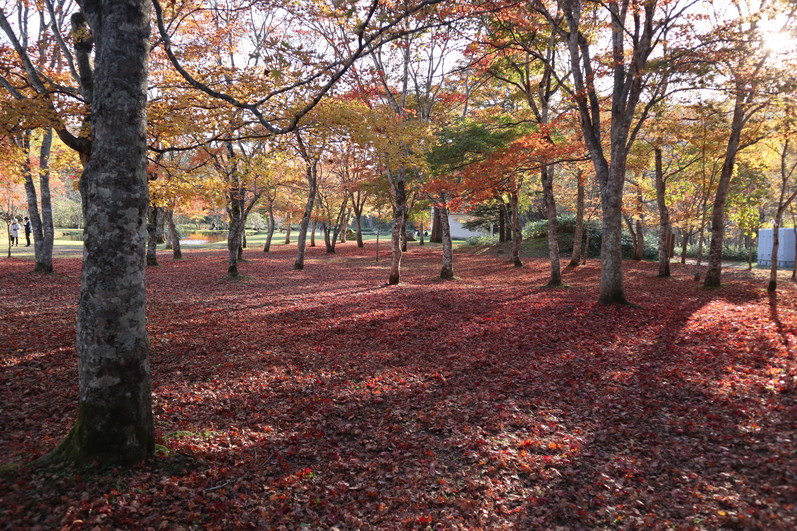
[[114, 423], [271, 225], [42, 225], [174, 237], [236, 214], [664, 215], [578, 235], [313, 229], [437, 235], [344, 226], [358, 222], [517, 236], [501, 223], [546, 176], [611, 285], [447, 271], [684, 245], [288, 229], [152, 235], [714, 271], [301, 241], [773, 268], [399, 210], [404, 232]]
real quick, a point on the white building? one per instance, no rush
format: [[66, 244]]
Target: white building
[[785, 247], [458, 232]]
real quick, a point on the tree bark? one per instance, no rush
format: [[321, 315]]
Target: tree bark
[[114, 422], [42, 225], [447, 271], [399, 210], [546, 176], [578, 235], [271, 225], [714, 270], [517, 235], [611, 285], [436, 235], [235, 211], [313, 229], [288, 229], [174, 237], [301, 241], [153, 234]]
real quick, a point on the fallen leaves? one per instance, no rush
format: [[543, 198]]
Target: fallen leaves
[[327, 399]]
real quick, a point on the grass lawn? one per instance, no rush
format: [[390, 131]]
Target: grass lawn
[[325, 398]]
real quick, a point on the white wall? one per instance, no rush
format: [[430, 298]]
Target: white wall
[[785, 247]]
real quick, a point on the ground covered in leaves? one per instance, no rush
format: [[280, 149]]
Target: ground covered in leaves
[[325, 398]]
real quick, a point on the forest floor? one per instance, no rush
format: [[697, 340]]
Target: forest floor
[[325, 398]]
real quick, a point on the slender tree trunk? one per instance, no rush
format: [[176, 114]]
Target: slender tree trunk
[[313, 229], [578, 235], [288, 229], [42, 225], [271, 225], [399, 210], [585, 254], [404, 232], [546, 176], [174, 236], [501, 223], [114, 423], [152, 235], [684, 245], [447, 271], [517, 236], [301, 241], [420, 233], [773, 268], [664, 215], [437, 235], [714, 271]]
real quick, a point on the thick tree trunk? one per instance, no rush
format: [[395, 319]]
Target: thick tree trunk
[[301, 241], [437, 235], [611, 285], [344, 226], [399, 210], [578, 235], [235, 211], [447, 271], [358, 222], [114, 423], [271, 225], [546, 176], [174, 237], [517, 235]]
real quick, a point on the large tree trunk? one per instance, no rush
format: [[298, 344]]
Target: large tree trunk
[[271, 225], [114, 421], [301, 241], [517, 235], [447, 271], [546, 176], [399, 210], [437, 235], [235, 211], [578, 235], [174, 237], [611, 285], [358, 223]]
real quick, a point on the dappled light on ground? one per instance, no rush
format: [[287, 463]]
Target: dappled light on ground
[[325, 397]]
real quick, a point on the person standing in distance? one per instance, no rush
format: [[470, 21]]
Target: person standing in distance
[[28, 230]]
